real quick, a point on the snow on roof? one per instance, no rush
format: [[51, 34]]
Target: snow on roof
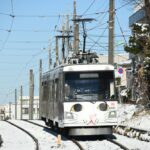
[[128, 62]]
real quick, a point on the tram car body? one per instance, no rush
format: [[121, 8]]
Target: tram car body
[[78, 98]]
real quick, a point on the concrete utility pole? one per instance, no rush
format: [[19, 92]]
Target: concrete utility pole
[[9, 110], [31, 94], [111, 33], [57, 55], [15, 103], [63, 45], [77, 37], [76, 30], [21, 93], [40, 88], [68, 41], [49, 57], [69, 49]]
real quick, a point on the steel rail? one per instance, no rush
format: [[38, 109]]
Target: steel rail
[[78, 144], [73, 140], [1, 140], [119, 144], [32, 136]]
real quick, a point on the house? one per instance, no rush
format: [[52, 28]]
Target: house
[[7, 111]]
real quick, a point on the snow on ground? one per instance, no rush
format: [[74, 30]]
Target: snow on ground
[[47, 140], [134, 116], [132, 144], [15, 139], [99, 144], [131, 115], [40, 122]]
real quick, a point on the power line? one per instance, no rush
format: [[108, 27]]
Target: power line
[[121, 29], [24, 49], [88, 8], [11, 25], [96, 42], [123, 5], [4, 43], [26, 30], [107, 11], [12, 8], [61, 15], [28, 42], [32, 16]]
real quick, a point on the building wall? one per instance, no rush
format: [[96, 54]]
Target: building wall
[[118, 59], [9, 109], [25, 108]]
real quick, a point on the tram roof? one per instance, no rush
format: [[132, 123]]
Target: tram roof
[[82, 67], [88, 67]]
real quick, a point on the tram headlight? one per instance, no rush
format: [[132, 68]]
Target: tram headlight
[[103, 106], [76, 108], [69, 115], [112, 114]]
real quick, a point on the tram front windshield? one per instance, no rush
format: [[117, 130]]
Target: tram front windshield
[[88, 86]]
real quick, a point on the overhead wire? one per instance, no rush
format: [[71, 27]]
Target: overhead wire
[[11, 25], [12, 7], [26, 30], [27, 63], [40, 16], [96, 42], [61, 15], [8, 35], [121, 29], [88, 8], [28, 42]]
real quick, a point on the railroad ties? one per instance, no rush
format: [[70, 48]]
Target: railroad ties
[[133, 132]]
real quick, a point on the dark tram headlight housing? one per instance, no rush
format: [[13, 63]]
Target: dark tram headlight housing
[[76, 108], [103, 106]]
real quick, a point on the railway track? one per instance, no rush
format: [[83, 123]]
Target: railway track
[[119, 144], [49, 129], [1, 140], [77, 142], [32, 136], [133, 132]]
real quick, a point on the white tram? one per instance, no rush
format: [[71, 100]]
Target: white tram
[[79, 98]]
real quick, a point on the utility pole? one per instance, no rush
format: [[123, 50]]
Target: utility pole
[[111, 33], [76, 30], [68, 41], [15, 103], [40, 88], [21, 93], [57, 55], [63, 45], [31, 94], [9, 110], [77, 38], [49, 57]]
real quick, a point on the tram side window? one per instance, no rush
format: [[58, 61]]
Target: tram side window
[[50, 91], [56, 89], [53, 91], [45, 91]]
